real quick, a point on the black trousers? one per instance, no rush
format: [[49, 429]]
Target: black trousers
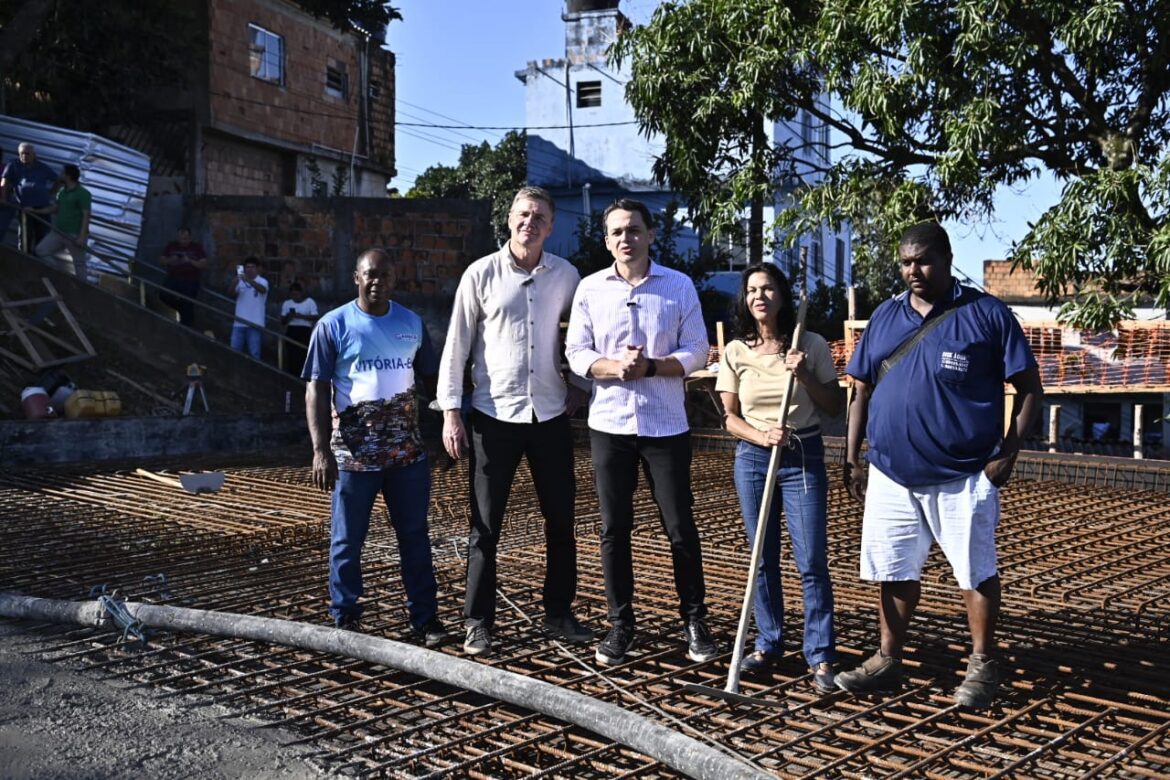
[[185, 308], [666, 461], [294, 357], [496, 449]]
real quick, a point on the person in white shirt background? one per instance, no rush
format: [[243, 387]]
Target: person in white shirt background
[[298, 314], [250, 290]]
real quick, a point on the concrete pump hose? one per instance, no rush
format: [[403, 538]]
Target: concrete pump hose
[[682, 753]]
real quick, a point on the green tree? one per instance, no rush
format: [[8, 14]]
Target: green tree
[[366, 15], [87, 66], [483, 172], [933, 107], [592, 255]]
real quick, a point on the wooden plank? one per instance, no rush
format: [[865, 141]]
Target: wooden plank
[[89, 350], [44, 334], [18, 329], [17, 359], [28, 302], [145, 390]]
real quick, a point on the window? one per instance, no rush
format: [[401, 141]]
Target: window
[[336, 79], [588, 94], [267, 54]]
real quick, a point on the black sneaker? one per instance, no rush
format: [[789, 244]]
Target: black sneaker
[[700, 644], [878, 673], [568, 628], [478, 640], [981, 684], [349, 623], [431, 634], [612, 650], [760, 662]]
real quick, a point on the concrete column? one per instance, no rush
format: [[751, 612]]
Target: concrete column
[[1054, 427]]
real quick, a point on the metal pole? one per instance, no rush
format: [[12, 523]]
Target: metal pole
[[1054, 428]]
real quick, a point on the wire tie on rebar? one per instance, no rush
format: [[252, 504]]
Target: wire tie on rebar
[[159, 579], [113, 605]]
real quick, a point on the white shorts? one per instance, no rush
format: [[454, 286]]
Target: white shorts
[[901, 523]]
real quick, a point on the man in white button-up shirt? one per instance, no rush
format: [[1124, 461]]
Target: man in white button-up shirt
[[636, 330], [506, 323]]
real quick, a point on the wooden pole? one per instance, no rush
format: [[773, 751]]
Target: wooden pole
[[769, 488], [1137, 432]]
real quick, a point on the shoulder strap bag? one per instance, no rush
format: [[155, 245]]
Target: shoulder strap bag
[[907, 346]]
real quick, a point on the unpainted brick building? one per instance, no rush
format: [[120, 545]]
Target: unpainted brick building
[[283, 104]]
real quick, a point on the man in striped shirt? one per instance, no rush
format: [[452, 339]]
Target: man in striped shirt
[[636, 330]]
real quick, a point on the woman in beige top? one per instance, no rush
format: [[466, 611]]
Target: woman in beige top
[[752, 376]]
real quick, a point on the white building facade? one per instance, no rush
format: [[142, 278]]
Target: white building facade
[[585, 148]]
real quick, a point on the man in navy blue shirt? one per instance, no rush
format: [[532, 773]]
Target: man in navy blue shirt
[[29, 184], [933, 415]]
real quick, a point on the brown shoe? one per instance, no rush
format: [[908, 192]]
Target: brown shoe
[[878, 673], [981, 683]]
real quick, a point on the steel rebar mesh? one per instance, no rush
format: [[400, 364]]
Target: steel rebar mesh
[[1083, 637]]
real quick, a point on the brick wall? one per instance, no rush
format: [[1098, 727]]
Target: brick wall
[[230, 166], [1001, 281], [316, 240], [299, 111], [381, 107]]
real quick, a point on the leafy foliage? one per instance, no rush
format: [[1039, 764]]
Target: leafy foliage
[[368, 15], [484, 172], [89, 65], [592, 255], [935, 106]]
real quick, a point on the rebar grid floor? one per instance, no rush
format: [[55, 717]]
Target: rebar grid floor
[[1085, 634]]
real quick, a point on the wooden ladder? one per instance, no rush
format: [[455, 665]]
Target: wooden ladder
[[35, 339]]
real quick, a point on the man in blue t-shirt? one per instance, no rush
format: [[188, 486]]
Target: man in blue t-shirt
[[29, 185], [933, 415], [363, 419]]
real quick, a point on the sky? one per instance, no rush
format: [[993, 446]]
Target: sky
[[456, 62]]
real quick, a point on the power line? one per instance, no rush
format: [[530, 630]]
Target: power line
[[430, 139], [520, 127], [477, 140], [436, 113]]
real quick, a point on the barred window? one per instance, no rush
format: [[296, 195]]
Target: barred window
[[588, 94]]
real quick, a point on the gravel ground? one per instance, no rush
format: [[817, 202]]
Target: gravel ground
[[57, 721]]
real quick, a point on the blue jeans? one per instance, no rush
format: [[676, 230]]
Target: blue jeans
[[406, 491], [249, 334], [802, 488]]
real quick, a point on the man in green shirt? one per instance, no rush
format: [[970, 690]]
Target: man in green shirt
[[70, 221]]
